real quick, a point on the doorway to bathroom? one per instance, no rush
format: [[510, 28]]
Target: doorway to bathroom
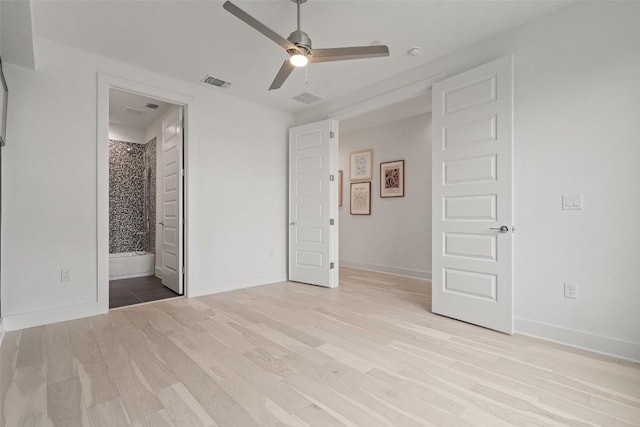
[[145, 199]]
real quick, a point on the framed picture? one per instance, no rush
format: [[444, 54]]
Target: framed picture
[[361, 198], [392, 179], [4, 92], [339, 188], [360, 165]]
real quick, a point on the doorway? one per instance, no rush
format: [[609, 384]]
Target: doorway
[[394, 234], [145, 199]]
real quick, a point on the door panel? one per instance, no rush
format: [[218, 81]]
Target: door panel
[[472, 196], [171, 256], [313, 204]]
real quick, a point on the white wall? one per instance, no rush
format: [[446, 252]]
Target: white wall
[[396, 237], [127, 133], [237, 153], [576, 103]]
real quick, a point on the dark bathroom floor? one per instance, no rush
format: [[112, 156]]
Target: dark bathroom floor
[[125, 292]]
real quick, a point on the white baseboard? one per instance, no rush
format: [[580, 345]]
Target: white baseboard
[[131, 276], [1, 330], [233, 285], [158, 272], [45, 317], [579, 339], [385, 269]]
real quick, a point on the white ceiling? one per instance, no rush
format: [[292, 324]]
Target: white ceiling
[[120, 101], [190, 39]]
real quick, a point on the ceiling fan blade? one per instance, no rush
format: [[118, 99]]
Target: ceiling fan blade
[[257, 25], [344, 53], [282, 75]]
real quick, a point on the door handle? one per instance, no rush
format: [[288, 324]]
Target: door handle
[[161, 223], [502, 229]]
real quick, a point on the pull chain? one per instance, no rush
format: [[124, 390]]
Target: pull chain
[[306, 74]]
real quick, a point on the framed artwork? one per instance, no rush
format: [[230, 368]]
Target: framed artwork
[[339, 188], [4, 92], [392, 179], [361, 198], [360, 165]]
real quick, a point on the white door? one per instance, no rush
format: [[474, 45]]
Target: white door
[[472, 196], [313, 204], [171, 225]]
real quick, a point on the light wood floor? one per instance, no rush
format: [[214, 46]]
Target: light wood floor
[[366, 354]]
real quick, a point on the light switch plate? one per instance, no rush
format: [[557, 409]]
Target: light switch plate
[[572, 202]]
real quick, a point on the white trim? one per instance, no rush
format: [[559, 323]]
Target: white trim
[[391, 97], [45, 317], [106, 82], [579, 339], [1, 330], [416, 274], [158, 272]]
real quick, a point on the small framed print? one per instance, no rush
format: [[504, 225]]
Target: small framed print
[[339, 189], [360, 165], [392, 179], [361, 198]]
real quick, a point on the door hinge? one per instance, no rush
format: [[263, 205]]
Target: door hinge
[[331, 265], [331, 221], [332, 134], [182, 172], [331, 178], [182, 270]]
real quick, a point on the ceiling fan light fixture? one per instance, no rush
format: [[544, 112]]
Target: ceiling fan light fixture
[[299, 60]]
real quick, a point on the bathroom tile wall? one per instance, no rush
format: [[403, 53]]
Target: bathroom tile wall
[[126, 197], [150, 149]]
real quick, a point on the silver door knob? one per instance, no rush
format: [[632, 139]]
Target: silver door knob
[[161, 223], [502, 229]]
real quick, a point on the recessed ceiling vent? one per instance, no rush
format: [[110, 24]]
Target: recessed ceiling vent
[[134, 111], [307, 98], [152, 106], [216, 82]]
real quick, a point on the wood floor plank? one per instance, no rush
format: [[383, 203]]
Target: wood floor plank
[[218, 404], [182, 408], [8, 354], [97, 386], [137, 396], [59, 354], [65, 407], [108, 413], [369, 353]]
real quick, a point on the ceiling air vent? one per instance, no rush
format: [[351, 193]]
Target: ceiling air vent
[[216, 82], [307, 98], [134, 111]]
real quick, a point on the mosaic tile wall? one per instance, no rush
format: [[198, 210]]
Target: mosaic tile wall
[[150, 149], [126, 197]]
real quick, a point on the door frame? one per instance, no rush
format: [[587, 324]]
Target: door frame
[[106, 82]]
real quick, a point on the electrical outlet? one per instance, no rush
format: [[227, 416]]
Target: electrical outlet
[[570, 290], [65, 275]]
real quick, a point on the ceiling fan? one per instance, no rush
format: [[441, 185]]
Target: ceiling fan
[[298, 46]]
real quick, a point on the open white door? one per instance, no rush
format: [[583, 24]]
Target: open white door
[[171, 225], [313, 204], [472, 196]]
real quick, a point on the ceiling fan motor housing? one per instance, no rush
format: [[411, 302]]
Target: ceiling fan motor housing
[[300, 39]]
